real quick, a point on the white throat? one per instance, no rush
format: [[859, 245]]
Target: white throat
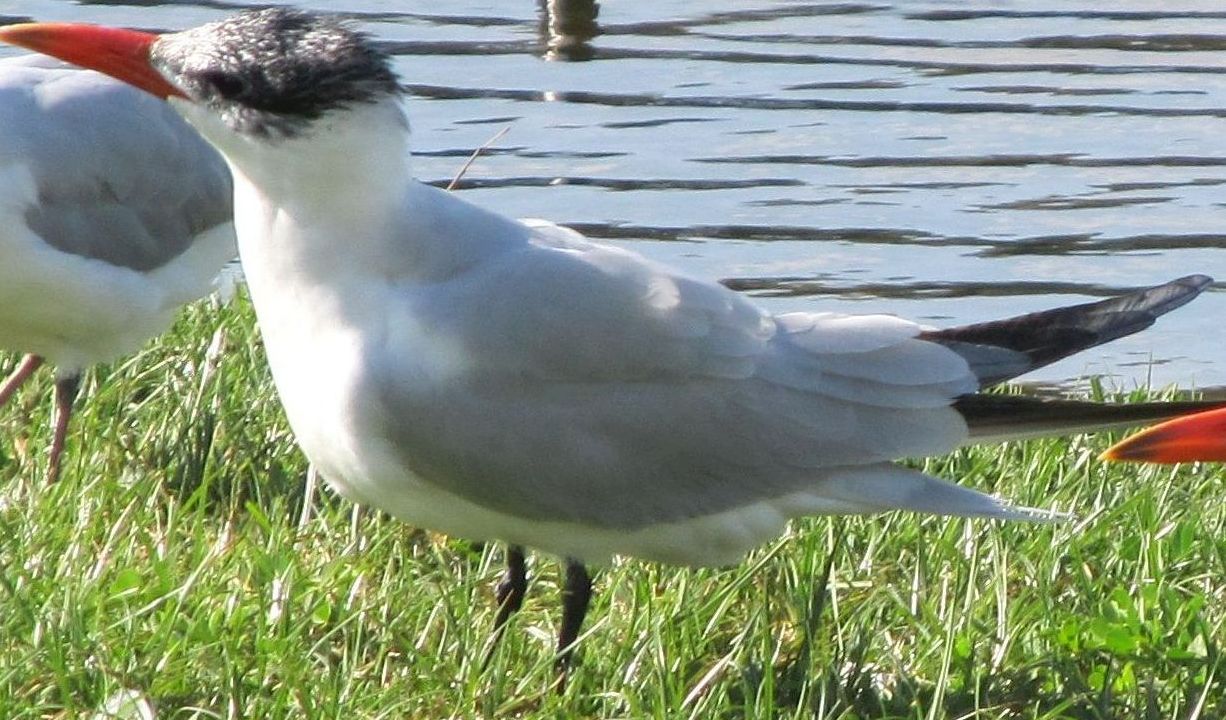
[[342, 165], [314, 202]]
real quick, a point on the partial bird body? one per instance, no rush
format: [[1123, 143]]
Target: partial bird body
[[112, 215]]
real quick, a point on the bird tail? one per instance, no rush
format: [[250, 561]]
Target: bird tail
[[992, 418], [1001, 350], [879, 488]]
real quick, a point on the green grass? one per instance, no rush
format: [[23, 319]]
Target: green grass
[[173, 559]]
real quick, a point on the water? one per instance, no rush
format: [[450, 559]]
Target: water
[[949, 162]]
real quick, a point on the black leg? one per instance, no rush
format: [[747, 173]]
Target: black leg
[[576, 596], [65, 393], [512, 587], [510, 594]]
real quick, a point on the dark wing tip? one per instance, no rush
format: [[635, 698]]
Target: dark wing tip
[[1050, 335]]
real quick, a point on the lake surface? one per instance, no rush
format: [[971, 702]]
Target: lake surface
[[949, 162]]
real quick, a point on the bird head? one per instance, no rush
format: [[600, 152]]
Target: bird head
[[254, 83], [267, 74]]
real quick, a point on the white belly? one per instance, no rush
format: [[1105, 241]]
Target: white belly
[[331, 324]]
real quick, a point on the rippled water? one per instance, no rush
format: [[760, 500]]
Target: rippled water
[[951, 162]]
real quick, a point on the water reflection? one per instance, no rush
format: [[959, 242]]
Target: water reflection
[[565, 28]]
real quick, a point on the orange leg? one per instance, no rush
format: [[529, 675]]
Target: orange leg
[[28, 365], [65, 393]]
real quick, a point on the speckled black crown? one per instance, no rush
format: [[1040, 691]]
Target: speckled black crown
[[271, 72]]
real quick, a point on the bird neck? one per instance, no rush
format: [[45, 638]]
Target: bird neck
[[342, 169], [313, 203]]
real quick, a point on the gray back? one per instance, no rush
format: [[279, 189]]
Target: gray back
[[120, 176]]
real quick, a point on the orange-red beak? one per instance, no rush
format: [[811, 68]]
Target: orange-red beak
[[1201, 436], [122, 54]]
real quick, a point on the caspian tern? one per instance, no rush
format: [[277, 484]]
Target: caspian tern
[[113, 213], [1197, 437], [506, 380]]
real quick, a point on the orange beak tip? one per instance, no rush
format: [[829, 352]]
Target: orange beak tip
[[1126, 451]]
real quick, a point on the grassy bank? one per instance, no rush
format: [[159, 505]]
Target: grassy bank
[[174, 559]]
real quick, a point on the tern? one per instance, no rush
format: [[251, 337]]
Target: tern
[[510, 380], [114, 213], [1197, 437]]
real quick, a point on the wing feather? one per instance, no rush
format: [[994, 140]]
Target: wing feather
[[143, 185], [675, 397]]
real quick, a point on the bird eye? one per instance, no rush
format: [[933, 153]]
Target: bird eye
[[226, 85]]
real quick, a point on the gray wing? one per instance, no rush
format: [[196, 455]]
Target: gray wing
[[587, 384], [119, 176], [569, 381]]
